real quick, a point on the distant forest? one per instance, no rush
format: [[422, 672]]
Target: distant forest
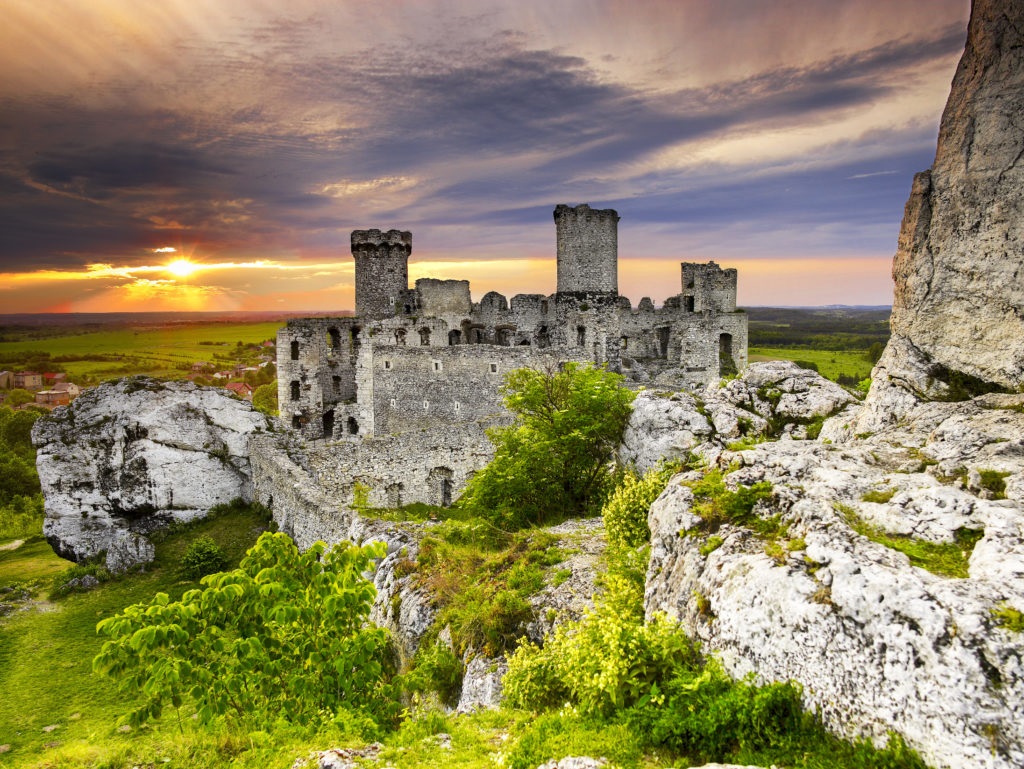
[[819, 328]]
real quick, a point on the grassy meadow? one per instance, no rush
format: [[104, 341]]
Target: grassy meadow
[[166, 351]]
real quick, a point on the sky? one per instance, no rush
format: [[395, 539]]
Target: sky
[[185, 155]]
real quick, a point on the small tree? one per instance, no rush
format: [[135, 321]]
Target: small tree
[[264, 399], [553, 462], [284, 635]]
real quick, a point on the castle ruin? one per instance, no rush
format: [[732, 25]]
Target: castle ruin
[[398, 396]]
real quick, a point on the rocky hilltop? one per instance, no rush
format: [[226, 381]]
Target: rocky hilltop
[[959, 267], [132, 455]]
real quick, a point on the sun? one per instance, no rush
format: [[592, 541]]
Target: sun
[[181, 268]]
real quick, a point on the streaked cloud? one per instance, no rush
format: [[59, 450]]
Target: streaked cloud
[[264, 134]]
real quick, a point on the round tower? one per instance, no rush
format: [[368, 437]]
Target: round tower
[[382, 271], [588, 249]]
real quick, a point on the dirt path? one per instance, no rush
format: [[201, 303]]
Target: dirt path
[[13, 545]]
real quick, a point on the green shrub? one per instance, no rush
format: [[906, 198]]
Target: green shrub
[[284, 636], [436, 669], [202, 557], [625, 512], [553, 462]]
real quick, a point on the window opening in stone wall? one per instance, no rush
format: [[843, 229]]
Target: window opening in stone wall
[[454, 337], [408, 309], [544, 306], [439, 481], [295, 350], [296, 423], [295, 390], [400, 336], [336, 381], [424, 337], [333, 340], [437, 365], [387, 365], [581, 336], [726, 363], [663, 333], [494, 368], [426, 405], [543, 340], [393, 494], [477, 336], [353, 426], [624, 343], [394, 402], [503, 336], [353, 340], [690, 304], [525, 343], [329, 424]]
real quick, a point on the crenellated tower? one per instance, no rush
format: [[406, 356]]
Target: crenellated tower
[[587, 242], [382, 271]]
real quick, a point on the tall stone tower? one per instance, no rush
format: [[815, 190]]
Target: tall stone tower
[[382, 271], [587, 249]]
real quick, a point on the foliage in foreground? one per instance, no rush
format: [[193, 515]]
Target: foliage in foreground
[[625, 512], [552, 463], [282, 636], [612, 673]]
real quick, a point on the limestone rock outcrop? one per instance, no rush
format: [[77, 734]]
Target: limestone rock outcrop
[[959, 268], [770, 399], [130, 456], [877, 643]]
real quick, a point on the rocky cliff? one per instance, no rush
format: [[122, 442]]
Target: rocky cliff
[[133, 455], [878, 641], [959, 267]]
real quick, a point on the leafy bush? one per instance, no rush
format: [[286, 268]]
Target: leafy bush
[[264, 399], [630, 687], [202, 557], [436, 669], [552, 463], [625, 512], [282, 636]]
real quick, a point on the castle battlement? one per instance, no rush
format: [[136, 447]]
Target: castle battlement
[[429, 357]]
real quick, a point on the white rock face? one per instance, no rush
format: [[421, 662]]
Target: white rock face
[[133, 455], [772, 396], [877, 643], [958, 269]]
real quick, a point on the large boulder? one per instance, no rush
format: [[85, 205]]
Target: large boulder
[[134, 455], [959, 267]]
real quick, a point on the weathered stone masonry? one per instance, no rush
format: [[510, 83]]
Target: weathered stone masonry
[[429, 359]]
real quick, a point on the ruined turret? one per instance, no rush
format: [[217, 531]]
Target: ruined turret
[[382, 270], [587, 250]]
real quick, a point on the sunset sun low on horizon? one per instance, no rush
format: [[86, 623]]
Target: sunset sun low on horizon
[[185, 157]]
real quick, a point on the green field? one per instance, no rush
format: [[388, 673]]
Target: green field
[[51, 640], [830, 363], [166, 351]]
